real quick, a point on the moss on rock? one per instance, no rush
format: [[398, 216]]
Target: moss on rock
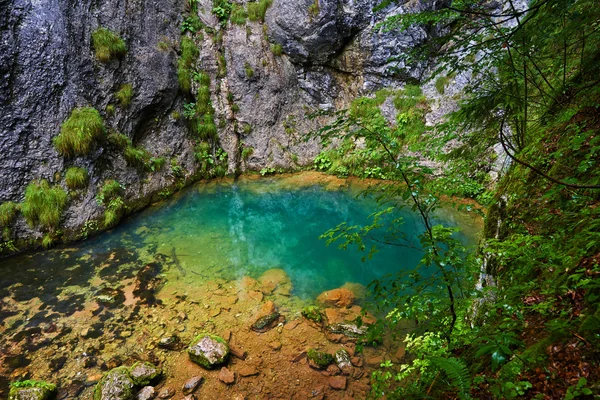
[[312, 313], [144, 373], [117, 384], [208, 350], [319, 359], [31, 390]]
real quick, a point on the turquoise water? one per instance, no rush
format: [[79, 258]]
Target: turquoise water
[[229, 230]]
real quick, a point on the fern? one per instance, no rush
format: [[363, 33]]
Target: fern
[[457, 372]]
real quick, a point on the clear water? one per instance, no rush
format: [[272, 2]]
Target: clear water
[[227, 230]]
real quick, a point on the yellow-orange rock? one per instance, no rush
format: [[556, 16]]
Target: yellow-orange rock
[[336, 298]]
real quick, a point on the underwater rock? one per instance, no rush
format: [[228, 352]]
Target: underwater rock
[[342, 359], [237, 352], [170, 343], [143, 373], [31, 390], [248, 370], [265, 322], [166, 393], [340, 297], [110, 297], [147, 283], [226, 376], [312, 313], [275, 281], [318, 359], [338, 382], [191, 384], [117, 384], [349, 330], [146, 393], [208, 350]]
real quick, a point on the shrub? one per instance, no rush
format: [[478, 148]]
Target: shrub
[[79, 132], [257, 11], [124, 94], [107, 45], [276, 49], [76, 178], [206, 127], [44, 204], [8, 213]]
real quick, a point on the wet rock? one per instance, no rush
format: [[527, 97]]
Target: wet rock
[[70, 390], [275, 281], [144, 373], [342, 360], [266, 322], [189, 397], [332, 370], [248, 370], [170, 343], [191, 384], [146, 393], [117, 384], [349, 330], [338, 382], [166, 393], [110, 297], [319, 359], [357, 361], [147, 283], [208, 350], [336, 298], [237, 352], [226, 376], [312, 313], [31, 390]]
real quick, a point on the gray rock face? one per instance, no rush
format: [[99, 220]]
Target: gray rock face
[[332, 53]]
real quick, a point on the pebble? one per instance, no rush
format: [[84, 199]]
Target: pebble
[[191, 384], [146, 393], [226, 376]]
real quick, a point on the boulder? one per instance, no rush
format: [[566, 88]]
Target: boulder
[[340, 297], [31, 390], [208, 350], [144, 373], [116, 384]]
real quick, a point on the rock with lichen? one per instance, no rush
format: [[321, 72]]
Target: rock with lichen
[[144, 373], [319, 359], [31, 390], [116, 384], [208, 350]]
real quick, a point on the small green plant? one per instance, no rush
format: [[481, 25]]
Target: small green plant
[[44, 204], [76, 178], [313, 9], [222, 66], [107, 45], [110, 189], [191, 24], [441, 83], [258, 10], [119, 140], [222, 10], [267, 171], [201, 77], [322, 162], [110, 109], [247, 129], [110, 197], [276, 49], [79, 132], [189, 54], [249, 70], [319, 358], [8, 213], [124, 94], [238, 14], [247, 153]]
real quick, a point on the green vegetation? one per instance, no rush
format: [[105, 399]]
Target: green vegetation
[[312, 313], [313, 9], [107, 45], [189, 54], [276, 49], [124, 95], [533, 317], [8, 213], [319, 359], [222, 10], [440, 84], [110, 109], [79, 132], [109, 196], [119, 140], [43, 205], [238, 14], [192, 24], [249, 71], [46, 389], [76, 178], [258, 10], [247, 153]]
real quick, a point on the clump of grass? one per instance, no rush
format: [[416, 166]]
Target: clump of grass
[[163, 45], [222, 66], [79, 132], [110, 189], [76, 178], [258, 10], [276, 49], [119, 140], [249, 70], [441, 83], [238, 14], [136, 157], [44, 204], [206, 127], [107, 45], [247, 129], [124, 94], [8, 213], [110, 109], [189, 54], [314, 9], [191, 24], [202, 78]]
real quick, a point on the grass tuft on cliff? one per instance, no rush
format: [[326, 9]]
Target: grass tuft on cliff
[[107, 45], [79, 132], [258, 10], [44, 204], [124, 95], [76, 178], [8, 213], [189, 54]]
